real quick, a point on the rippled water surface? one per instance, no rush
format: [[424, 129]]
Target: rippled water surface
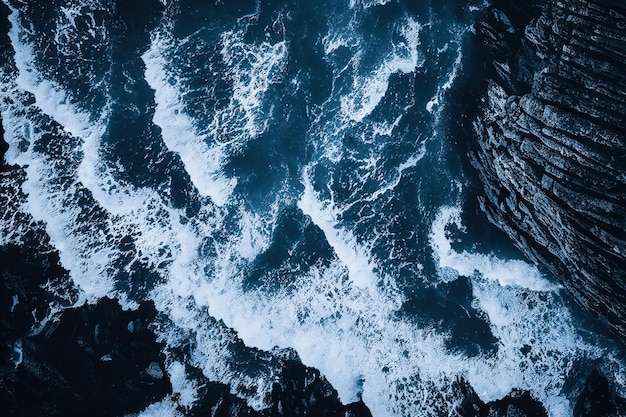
[[283, 172]]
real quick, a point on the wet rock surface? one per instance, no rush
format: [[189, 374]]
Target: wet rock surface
[[89, 364], [101, 360], [550, 153], [59, 360], [515, 404], [550, 145]]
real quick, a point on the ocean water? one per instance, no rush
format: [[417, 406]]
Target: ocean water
[[284, 174]]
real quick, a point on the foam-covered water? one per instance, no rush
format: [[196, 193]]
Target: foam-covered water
[[289, 188]]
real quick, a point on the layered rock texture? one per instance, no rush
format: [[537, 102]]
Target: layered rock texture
[[551, 141]]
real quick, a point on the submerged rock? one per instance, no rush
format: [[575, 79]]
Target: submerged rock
[[550, 145], [598, 399]]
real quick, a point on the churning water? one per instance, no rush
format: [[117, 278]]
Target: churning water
[[283, 173]]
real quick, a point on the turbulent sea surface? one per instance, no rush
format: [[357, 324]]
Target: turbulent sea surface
[[280, 178]]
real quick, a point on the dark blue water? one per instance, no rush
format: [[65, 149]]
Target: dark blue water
[[283, 172]]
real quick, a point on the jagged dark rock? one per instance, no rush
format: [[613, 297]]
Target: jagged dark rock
[[550, 145], [30, 282], [4, 147], [97, 360], [304, 391], [299, 391], [516, 404]]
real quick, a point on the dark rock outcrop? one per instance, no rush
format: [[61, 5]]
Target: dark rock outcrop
[[516, 404], [551, 141], [300, 391], [101, 360], [4, 147], [304, 391], [97, 360]]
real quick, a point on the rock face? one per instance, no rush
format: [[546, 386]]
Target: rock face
[[551, 141], [90, 364]]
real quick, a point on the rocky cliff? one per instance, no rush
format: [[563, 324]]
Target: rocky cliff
[[550, 145]]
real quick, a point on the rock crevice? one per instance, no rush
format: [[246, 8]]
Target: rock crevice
[[551, 142]]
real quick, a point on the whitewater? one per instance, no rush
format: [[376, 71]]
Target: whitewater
[[281, 188]]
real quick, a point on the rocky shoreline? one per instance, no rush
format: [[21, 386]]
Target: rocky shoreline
[[550, 142], [550, 151]]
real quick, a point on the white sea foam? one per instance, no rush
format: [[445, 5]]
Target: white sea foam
[[14, 221], [539, 322], [351, 335], [202, 161], [47, 206], [69, 37], [356, 93], [198, 286], [368, 90], [344, 243], [506, 272], [524, 309], [350, 332], [85, 253], [18, 353], [185, 389], [253, 68], [365, 4], [410, 162], [333, 42], [166, 407], [434, 104]]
